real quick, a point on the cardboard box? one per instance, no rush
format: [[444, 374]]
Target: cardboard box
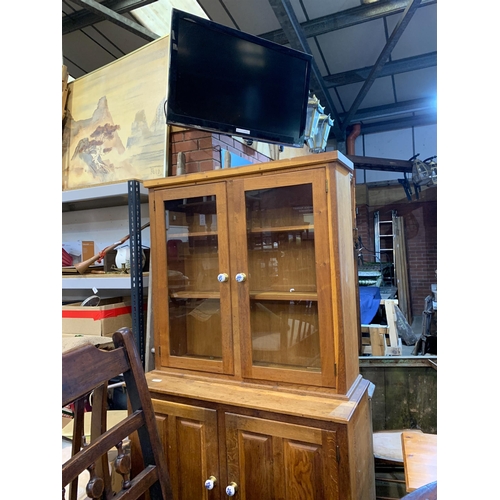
[[102, 320], [88, 250]]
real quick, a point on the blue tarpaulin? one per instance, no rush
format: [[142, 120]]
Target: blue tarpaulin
[[369, 302]]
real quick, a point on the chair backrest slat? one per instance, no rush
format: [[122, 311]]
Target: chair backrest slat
[[103, 443], [87, 367]]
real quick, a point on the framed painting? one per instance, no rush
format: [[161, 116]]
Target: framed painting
[[115, 127]]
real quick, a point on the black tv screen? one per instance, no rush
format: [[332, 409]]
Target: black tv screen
[[227, 81]]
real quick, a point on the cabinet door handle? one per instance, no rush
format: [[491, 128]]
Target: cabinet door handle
[[241, 277], [222, 277], [231, 489], [210, 483]]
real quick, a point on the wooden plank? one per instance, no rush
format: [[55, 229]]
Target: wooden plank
[[382, 301], [391, 322], [401, 265], [420, 459], [377, 341]]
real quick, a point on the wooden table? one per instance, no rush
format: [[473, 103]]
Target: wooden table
[[387, 445], [420, 459]]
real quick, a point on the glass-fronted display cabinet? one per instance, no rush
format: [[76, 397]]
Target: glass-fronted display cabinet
[[247, 266]]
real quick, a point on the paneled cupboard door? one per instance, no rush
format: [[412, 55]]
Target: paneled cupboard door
[[282, 298], [269, 460], [189, 438], [192, 292]]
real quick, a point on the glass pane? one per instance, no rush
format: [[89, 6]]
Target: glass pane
[[282, 277], [285, 333], [193, 264]]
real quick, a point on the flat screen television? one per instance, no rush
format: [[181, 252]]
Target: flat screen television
[[227, 81]]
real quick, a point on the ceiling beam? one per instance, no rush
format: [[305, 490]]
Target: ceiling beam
[[83, 18], [345, 18], [382, 59], [387, 110], [385, 164], [122, 21], [400, 123], [390, 68], [291, 27]]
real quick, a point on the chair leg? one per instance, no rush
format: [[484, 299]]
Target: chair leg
[[97, 428], [77, 441]]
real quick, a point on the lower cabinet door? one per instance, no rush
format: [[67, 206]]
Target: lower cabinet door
[[189, 438], [270, 460]]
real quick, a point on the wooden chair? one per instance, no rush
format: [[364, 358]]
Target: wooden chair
[[85, 370]]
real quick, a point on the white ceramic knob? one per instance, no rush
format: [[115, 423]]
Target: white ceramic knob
[[210, 483], [222, 277], [231, 489], [241, 277]]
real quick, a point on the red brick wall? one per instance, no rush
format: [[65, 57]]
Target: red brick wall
[[198, 149], [420, 226], [202, 150], [420, 223], [362, 223], [236, 147]]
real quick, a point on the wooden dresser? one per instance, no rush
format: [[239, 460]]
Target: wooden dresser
[[256, 384]]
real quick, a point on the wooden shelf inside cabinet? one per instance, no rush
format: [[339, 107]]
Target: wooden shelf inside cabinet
[[283, 295], [277, 229], [189, 234], [253, 295], [195, 295]]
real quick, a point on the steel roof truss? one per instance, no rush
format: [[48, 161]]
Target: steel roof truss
[[382, 59], [345, 18], [390, 68], [291, 27], [83, 18], [122, 21]]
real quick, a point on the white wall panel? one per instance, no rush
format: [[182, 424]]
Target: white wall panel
[[396, 145], [425, 141]]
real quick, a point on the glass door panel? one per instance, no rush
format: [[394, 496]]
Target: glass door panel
[[282, 277], [193, 266]]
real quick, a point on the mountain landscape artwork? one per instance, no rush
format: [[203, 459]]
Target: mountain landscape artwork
[[115, 126]]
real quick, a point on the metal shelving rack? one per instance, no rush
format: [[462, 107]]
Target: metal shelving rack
[[131, 193]]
